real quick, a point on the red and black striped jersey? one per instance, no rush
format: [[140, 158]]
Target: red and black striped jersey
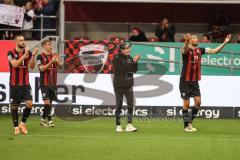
[[48, 77], [191, 70], [19, 76]]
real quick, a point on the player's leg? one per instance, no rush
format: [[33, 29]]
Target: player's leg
[[129, 96], [47, 105], [15, 100], [185, 95], [46, 112], [49, 117], [185, 113], [26, 114], [53, 97], [14, 111], [197, 103], [27, 96], [119, 102], [194, 112]]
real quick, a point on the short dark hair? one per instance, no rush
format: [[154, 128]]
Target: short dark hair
[[164, 17], [206, 35], [18, 35], [125, 45], [137, 29], [46, 41]]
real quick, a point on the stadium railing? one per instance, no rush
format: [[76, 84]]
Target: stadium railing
[[41, 30]]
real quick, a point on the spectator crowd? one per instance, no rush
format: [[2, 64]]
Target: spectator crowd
[[32, 20], [218, 29]]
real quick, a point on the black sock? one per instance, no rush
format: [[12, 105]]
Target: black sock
[[15, 117], [44, 115], [130, 113], [46, 112], [194, 113], [49, 116], [185, 117], [26, 114]]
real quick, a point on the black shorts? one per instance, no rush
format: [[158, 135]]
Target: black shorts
[[19, 94], [189, 89], [48, 93]]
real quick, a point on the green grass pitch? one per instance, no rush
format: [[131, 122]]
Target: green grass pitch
[[97, 140]]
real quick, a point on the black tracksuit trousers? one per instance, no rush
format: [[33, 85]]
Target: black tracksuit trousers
[[120, 93]]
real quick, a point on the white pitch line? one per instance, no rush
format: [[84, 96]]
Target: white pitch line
[[136, 137]]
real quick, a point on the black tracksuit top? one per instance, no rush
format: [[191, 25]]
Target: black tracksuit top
[[123, 69]]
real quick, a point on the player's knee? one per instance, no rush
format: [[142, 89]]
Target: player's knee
[[186, 103], [15, 107], [47, 102], [197, 103], [29, 104]]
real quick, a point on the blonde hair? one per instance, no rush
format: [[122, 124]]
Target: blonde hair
[[10, 2], [194, 36]]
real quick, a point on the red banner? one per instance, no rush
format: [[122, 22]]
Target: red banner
[[5, 46]]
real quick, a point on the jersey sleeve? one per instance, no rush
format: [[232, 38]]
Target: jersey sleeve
[[183, 52], [116, 63], [39, 60], [203, 50], [10, 56]]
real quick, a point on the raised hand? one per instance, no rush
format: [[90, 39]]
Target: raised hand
[[228, 38], [54, 60], [26, 54], [187, 37], [136, 58], [35, 51]]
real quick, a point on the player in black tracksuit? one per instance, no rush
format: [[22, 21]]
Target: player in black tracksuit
[[123, 68]]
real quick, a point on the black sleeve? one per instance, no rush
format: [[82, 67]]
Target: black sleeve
[[185, 52], [27, 17], [10, 56], [133, 66], [203, 50], [159, 32], [171, 30], [131, 38], [130, 67], [39, 60], [143, 37], [118, 64]]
